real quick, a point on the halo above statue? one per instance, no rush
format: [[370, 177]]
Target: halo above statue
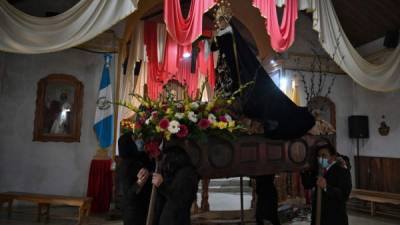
[[222, 13]]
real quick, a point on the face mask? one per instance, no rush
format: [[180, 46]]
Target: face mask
[[140, 145], [323, 162]]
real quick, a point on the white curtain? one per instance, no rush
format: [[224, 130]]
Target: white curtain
[[137, 50], [22, 33], [383, 77], [161, 40]]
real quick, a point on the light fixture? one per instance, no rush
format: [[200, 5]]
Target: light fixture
[[283, 84], [186, 55], [272, 62]]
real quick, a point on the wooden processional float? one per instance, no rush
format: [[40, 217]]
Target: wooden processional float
[[250, 155]]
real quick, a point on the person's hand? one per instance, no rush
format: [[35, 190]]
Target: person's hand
[[142, 176], [321, 183], [341, 161], [157, 179]]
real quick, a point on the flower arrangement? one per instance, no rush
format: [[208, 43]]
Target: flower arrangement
[[127, 125], [160, 120]]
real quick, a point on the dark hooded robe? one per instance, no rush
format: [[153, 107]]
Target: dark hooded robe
[[264, 101], [135, 200], [178, 190], [334, 198]]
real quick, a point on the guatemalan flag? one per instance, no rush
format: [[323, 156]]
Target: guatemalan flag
[[103, 123]]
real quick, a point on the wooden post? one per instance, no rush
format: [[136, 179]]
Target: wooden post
[[253, 193], [241, 202], [205, 206], [319, 199], [153, 196]]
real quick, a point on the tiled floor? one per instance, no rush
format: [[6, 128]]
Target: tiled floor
[[218, 201]]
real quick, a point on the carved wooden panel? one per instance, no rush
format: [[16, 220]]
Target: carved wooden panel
[[249, 155]]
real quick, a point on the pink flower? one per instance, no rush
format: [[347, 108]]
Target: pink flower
[[183, 131], [204, 124], [164, 123], [152, 148], [154, 115], [223, 119]]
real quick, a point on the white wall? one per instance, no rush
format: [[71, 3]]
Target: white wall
[[374, 105], [52, 168]]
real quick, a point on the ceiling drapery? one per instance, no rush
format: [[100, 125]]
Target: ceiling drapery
[[185, 30], [282, 37], [383, 77], [23, 33]]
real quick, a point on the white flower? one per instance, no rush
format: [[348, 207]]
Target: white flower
[[179, 115], [212, 118], [147, 122], [194, 105], [228, 118], [192, 117], [173, 127]]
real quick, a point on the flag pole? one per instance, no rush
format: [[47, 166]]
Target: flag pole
[[117, 78]]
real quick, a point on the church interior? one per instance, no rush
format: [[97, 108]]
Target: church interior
[[252, 90]]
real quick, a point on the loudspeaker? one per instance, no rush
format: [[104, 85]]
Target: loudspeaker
[[391, 39], [358, 126]]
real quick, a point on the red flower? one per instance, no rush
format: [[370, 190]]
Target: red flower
[[183, 131], [152, 148], [164, 123], [138, 126], [223, 119], [204, 124]]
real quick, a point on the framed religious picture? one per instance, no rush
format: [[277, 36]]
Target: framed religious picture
[[323, 109], [58, 109]]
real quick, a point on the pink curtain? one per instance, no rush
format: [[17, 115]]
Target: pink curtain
[[282, 37], [174, 66], [154, 75], [185, 31]]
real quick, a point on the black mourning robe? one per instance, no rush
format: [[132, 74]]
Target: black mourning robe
[[175, 197], [264, 101], [267, 200], [333, 207], [135, 200]]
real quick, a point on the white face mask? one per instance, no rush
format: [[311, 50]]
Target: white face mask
[[140, 145], [323, 162]]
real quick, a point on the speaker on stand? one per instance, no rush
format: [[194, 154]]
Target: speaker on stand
[[358, 129]]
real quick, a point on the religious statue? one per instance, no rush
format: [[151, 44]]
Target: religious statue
[[321, 127], [61, 122]]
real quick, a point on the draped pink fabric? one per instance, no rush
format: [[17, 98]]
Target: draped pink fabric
[[154, 76], [174, 66], [185, 30], [282, 37]]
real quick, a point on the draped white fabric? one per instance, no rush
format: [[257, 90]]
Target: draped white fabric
[[22, 33], [383, 77], [161, 39], [137, 50]]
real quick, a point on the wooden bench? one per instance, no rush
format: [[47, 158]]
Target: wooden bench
[[44, 201], [375, 197]]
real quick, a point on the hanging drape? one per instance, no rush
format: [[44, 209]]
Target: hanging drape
[[161, 40], [185, 30], [137, 51], [22, 33], [282, 37], [154, 75], [174, 66], [383, 77]]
